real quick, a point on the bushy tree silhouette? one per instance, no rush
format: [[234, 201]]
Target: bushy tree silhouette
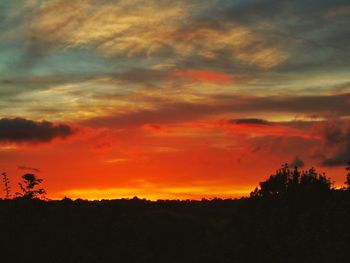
[[30, 181], [287, 180], [276, 184]]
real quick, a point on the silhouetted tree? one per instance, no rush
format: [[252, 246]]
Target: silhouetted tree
[[7, 188], [28, 185], [348, 176], [311, 180], [276, 184], [286, 180]]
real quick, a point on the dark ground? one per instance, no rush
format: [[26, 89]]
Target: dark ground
[[284, 229]]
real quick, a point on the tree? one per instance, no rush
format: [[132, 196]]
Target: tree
[[286, 181], [30, 181], [348, 176], [277, 183], [7, 188], [310, 180]]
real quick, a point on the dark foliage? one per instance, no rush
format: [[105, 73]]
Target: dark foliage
[[347, 182], [246, 230], [30, 181], [294, 217], [6, 183], [289, 181]]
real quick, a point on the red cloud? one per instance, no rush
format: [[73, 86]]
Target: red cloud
[[154, 128], [202, 76]]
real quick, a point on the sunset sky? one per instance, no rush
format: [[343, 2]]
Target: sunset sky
[[172, 99]]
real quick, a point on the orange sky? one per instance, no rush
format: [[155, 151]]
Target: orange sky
[[172, 100], [194, 160]]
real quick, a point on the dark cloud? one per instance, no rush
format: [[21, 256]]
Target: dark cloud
[[276, 145], [26, 168], [297, 162], [328, 144], [20, 130], [250, 121], [336, 143]]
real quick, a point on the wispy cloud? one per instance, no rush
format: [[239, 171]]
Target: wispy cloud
[[135, 28], [166, 112]]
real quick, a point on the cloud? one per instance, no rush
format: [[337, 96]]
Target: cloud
[[324, 142], [337, 104], [202, 76], [20, 130], [154, 28], [335, 150], [142, 75], [253, 121], [26, 168], [305, 28], [297, 162], [113, 27], [174, 112], [135, 48], [251, 35]]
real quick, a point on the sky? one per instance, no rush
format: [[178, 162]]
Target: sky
[[172, 99]]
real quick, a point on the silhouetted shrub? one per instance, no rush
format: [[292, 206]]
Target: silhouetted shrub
[[347, 182], [7, 188], [287, 180], [30, 181]]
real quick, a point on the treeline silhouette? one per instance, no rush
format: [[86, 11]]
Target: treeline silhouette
[[293, 216]]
